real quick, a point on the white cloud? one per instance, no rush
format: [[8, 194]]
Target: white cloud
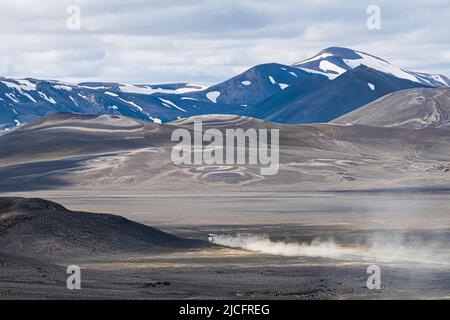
[[206, 41]]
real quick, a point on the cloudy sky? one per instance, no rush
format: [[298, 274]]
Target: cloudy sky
[[207, 41]]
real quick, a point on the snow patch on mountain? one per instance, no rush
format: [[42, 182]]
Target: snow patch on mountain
[[131, 103], [317, 57], [21, 86], [112, 94], [62, 87], [170, 103], [213, 96], [29, 97], [271, 79], [433, 79], [128, 88], [94, 87], [26, 85], [380, 65], [328, 66], [156, 120], [73, 100], [49, 99], [330, 76], [12, 97]]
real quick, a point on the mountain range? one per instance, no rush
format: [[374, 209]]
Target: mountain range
[[323, 88]]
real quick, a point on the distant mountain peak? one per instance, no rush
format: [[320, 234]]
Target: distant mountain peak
[[334, 61]]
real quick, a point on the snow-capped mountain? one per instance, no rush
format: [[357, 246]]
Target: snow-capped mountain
[[23, 100], [265, 91], [356, 78], [335, 61], [315, 102], [258, 84]]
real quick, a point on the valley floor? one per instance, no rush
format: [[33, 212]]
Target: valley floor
[[406, 235]]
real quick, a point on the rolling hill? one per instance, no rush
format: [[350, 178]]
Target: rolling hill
[[108, 154], [413, 108], [35, 228]]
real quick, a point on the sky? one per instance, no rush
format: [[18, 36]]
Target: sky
[[209, 41]]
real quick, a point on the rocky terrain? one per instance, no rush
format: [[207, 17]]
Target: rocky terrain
[[41, 228]]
